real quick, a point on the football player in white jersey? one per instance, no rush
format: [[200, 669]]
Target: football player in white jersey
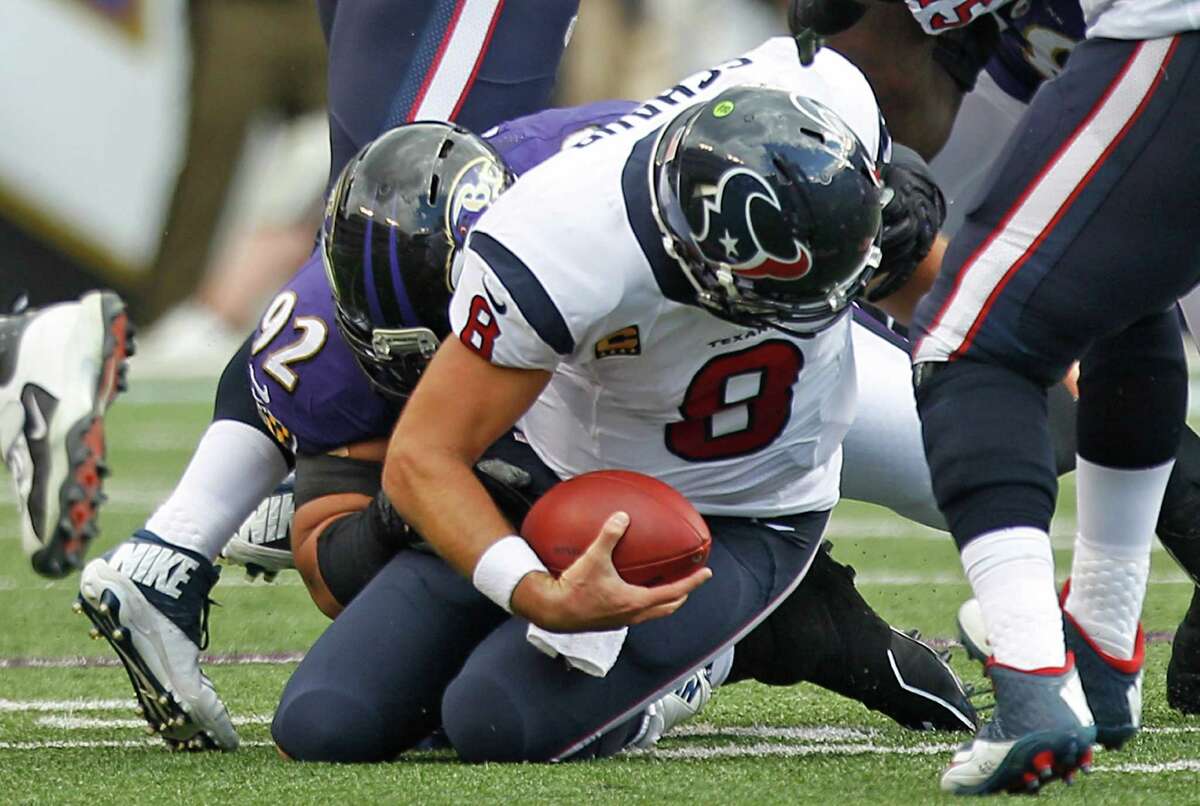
[[736, 225]]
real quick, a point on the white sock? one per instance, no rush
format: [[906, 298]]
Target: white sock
[[1117, 512], [234, 467], [1012, 574]]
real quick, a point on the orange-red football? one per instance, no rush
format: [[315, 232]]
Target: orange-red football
[[666, 539]]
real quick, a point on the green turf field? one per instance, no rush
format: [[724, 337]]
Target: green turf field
[[68, 731]]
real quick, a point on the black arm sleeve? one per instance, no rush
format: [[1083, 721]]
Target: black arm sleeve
[[324, 474], [353, 549]]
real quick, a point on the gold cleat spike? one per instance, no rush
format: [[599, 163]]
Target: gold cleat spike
[[118, 634], [178, 721], [103, 608], [162, 699], [94, 633], [150, 731], [78, 608]]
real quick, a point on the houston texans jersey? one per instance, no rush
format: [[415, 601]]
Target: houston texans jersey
[[567, 272], [306, 382]]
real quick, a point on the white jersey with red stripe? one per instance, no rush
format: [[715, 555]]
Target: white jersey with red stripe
[[1140, 19], [566, 273]]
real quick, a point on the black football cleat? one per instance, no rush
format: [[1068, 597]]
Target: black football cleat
[[826, 633], [1179, 531], [1183, 671]]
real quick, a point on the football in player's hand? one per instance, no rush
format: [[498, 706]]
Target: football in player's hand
[[666, 539]]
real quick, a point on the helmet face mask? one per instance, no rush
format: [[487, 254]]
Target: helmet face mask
[[391, 243], [773, 213]]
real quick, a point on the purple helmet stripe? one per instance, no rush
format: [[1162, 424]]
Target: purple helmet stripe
[[369, 274], [406, 308]]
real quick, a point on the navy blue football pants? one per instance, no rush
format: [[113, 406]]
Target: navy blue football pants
[[476, 62], [1078, 251], [419, 647]]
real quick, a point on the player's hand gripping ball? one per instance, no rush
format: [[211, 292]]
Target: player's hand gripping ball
[[666, 539]]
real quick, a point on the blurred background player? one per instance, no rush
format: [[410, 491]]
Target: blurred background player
[[252, 60], [60, 368]]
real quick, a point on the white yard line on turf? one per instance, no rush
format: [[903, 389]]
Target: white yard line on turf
[[1179, 765], [144, 744], [815, 740], [98, 723], [816, 733], [64, 706], [763, 749]]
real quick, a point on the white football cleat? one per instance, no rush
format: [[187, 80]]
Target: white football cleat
[[263, 543], [60, 368], [149, 600], [1041, 730], [675, 707]]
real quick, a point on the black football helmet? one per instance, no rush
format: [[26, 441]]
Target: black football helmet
[[391, 239], [772, 207]]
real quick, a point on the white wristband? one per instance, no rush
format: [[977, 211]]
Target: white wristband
[[502, 567]]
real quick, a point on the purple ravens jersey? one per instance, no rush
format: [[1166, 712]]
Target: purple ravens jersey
[[1036, 37], [306, 382], [531, 140]]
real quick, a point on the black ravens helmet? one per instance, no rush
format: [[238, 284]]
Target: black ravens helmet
[[772, 207], [393, 227]]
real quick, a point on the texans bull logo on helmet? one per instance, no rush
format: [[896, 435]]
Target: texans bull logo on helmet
[[744, 227]]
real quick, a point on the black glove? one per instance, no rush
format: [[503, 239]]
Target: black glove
[[812, 20], [911, 220]]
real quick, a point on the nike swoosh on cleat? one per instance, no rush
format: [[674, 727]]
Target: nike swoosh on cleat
[[37, 428]]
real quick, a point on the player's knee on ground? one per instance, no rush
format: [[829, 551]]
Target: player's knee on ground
[[324, 724], [485, 721]]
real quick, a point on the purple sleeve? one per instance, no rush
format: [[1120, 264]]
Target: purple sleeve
[[531, 140]]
